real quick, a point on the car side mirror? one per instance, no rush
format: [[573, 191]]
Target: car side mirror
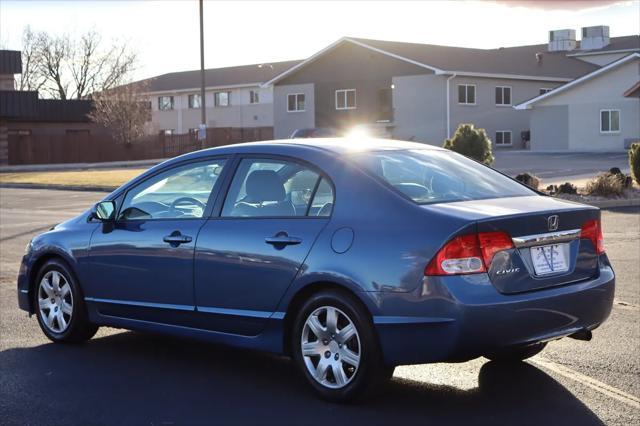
[[104, 211]]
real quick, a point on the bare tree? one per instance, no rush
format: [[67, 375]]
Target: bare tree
[[29, 79], [124, 111], [53, 54], [65, 68]]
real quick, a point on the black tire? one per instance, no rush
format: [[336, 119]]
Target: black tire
[[516, 354], [78, 328], [371, 374]]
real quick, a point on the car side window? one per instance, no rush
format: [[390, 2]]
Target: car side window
[[179, 193], [271, 188]]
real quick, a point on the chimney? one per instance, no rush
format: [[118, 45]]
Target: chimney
[[594, 37], [562, 40]]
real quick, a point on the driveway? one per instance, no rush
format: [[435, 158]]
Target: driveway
[[559, 167], [123, 377]]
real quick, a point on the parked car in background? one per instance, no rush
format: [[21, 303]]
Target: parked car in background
[[352, 258], [316, 132]]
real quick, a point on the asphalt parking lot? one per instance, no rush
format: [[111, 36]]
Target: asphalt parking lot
[[122, 377]]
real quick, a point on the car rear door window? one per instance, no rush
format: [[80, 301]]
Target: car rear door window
[[322, 204], [273, 188], [179, 193], [433, 176]]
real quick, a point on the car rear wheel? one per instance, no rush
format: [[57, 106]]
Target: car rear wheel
[[516, 354], [59, 305], [336, 349]]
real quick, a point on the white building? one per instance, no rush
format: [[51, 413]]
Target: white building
[[599, 111]]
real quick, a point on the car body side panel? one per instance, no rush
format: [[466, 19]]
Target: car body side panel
[[69, 241], [238, 273]]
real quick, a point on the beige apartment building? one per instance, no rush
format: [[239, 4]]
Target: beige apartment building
[[234, 97]]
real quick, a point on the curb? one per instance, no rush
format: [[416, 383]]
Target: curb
[[80, 166], [611, 204], [59, 187]]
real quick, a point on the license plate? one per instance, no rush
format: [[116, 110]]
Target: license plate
[[549, 259]]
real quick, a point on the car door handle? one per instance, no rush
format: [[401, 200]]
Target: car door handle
[[282, 239], [176, 238]]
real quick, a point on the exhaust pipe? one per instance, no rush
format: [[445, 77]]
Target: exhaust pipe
[[583, 334]]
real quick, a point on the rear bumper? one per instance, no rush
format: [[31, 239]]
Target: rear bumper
[[463, 317]]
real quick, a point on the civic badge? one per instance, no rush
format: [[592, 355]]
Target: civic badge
[[552, 222]]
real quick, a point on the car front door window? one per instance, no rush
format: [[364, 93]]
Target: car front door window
[[180, 193]]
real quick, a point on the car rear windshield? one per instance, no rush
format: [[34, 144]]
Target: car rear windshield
[[430, 176]]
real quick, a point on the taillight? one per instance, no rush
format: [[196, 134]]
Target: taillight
[[493, 242], [592, 230], [468, 254]]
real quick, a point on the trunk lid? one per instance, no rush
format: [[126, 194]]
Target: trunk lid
[[546, 234]]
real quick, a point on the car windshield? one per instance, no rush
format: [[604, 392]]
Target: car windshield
[[430, 176]]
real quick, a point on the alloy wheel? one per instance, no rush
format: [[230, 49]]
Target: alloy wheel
[[55, 301], [331, 347]]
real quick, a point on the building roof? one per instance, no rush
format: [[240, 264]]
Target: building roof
[[528, 104], [25, 106], [217, 77], [10, 62], [624, 43], [633, 91], [14, 104], [521, 62]]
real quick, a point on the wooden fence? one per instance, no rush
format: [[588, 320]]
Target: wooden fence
[[89, 148]]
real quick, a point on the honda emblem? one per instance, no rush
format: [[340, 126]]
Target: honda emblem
[[552, 222]]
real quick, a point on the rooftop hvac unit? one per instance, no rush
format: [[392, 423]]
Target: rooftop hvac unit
[[562, 40], [594, 37]]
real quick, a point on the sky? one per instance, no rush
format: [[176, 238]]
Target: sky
[[165, 34]]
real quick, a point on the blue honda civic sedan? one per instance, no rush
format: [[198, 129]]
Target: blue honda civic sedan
[[352, 256]]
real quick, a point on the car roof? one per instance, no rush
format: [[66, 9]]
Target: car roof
[[340, 146]]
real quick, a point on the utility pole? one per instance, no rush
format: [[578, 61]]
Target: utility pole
[[202, 131]]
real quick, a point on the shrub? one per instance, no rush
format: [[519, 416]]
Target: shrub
[[471, 142], [605, 184], [624, 179], [530, 180], [634, 161], [567, 188]]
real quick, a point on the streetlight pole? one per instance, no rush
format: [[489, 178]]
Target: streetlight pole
[[202, 131]]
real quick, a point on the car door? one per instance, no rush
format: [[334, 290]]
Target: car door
[[141, 265], [248, 255]]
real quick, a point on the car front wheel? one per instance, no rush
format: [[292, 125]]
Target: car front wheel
[[59, 305], [335, 347]]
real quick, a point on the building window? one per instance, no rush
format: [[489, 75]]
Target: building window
[[195, 101], [222, 99], [467, 94], [503, 95], [609, 121], [503, 137], [165, 103], [254, 97], [295, 102], [166, 132], [346, 99], [544, 90]]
